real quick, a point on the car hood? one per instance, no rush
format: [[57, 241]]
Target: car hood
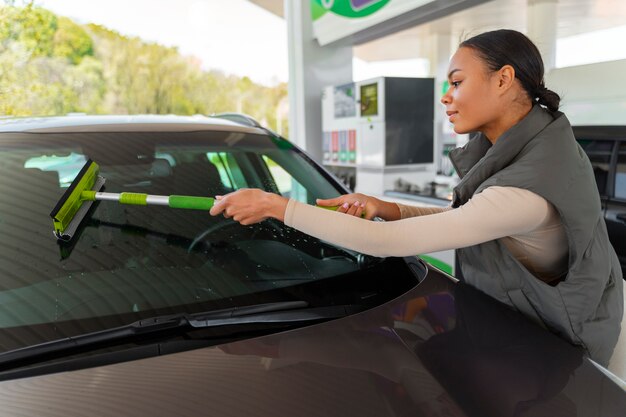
[[442, 349]]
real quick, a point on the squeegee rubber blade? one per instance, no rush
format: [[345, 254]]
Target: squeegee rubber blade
[[70, 203]]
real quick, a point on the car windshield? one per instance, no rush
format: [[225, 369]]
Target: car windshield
[[128, 262]]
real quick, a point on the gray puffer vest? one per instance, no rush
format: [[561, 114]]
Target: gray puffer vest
[[540, 154]]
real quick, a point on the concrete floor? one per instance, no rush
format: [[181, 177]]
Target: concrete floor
[[617, 365]]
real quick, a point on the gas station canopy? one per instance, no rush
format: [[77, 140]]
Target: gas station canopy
[[460, 18]]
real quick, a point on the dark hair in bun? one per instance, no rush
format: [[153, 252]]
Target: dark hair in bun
[[509, 47]]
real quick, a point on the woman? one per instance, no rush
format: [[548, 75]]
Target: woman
[[526, 215]]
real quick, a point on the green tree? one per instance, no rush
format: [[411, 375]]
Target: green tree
[[71, 41], [49, 65], [31, 26]]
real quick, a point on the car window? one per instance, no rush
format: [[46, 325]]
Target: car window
[[620, 173], [218, 159], [599, 153], [128, 262], [66, 166], [286, 184]]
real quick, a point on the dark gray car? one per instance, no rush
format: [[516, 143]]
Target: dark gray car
[[151, 311]]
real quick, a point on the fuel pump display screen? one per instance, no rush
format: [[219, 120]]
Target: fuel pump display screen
[[369, 100]]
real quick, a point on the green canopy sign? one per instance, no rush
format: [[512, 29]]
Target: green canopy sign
[[352, 9], [337, 19]]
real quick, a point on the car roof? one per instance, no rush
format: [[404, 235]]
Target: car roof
[[600, 132], [123, 123]]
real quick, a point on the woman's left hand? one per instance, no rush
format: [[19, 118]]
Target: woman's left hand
[[250, 205]]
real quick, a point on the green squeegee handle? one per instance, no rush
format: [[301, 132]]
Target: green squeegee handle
[[335, 208], [173, 201], [195, 203], [136, 199]]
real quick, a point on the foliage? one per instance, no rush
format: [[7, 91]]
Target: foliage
[[71, 41], [49, 65], [30, 26]]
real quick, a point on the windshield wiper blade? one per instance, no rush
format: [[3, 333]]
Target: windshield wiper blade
[[252, 309], [279, 312]]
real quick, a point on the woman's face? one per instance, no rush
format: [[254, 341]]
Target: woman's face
[[473, 102]]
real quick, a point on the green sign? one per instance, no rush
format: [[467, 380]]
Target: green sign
[[352, 9], [444, 87]]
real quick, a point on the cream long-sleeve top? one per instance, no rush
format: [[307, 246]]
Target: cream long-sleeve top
[[528, 225]]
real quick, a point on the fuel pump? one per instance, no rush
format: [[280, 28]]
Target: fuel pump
[[379, 131]]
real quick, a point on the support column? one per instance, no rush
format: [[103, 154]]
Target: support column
[[439, 70], [311, 68], [542, 25]]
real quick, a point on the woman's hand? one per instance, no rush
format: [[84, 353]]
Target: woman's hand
[[353, 204], [357, 203], [249, 206]]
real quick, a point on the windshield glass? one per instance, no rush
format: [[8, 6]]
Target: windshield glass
[[128, 262]]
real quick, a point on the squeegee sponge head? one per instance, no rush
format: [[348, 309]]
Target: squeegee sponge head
[[73, 198]]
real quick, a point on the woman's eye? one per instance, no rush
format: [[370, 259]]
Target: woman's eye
[[455, 84]]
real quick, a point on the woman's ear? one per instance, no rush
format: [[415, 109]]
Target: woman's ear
[[506, 77]]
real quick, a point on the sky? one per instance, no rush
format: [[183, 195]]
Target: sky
[[234, 36]]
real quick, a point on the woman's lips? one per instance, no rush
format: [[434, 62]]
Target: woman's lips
[[451, 114]]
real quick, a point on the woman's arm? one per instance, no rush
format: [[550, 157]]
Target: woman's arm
[[490, 215], [495, 213], [407, 211]]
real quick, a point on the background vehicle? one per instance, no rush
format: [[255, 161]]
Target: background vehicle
[[606, 148], [154, 311]]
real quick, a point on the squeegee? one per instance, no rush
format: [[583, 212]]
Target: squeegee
[[85, 189]]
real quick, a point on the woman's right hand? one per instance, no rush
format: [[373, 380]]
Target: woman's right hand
[[353, 204]]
